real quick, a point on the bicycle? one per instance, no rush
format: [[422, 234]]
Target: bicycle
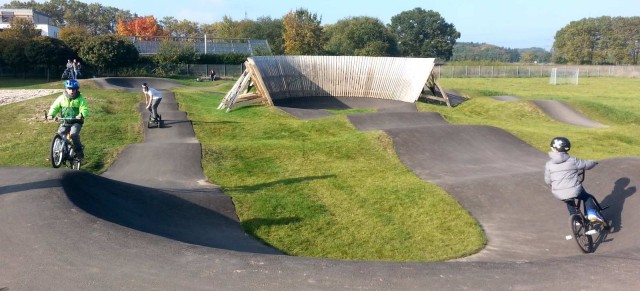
[[62, 147], [582, 228]]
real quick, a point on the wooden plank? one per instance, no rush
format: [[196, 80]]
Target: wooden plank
[[354, 76], [258, 81]]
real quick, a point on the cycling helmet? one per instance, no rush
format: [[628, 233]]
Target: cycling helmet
[[561, 144], [72, 84]]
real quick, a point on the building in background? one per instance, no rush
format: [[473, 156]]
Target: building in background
[[42, 21]]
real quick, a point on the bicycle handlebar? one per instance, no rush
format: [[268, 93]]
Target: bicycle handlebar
[[68, 120]]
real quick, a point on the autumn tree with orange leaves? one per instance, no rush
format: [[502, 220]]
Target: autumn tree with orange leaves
[[141, 26]]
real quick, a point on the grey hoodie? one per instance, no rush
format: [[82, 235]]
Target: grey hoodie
[[561, 172]]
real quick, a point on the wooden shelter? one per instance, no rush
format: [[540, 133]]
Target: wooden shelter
[[268, 78]]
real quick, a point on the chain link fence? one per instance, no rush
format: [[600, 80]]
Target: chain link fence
[[533, 71], [201, 70], [178, 70]]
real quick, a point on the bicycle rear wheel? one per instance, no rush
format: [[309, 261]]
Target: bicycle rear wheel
[[57, 151], [579, 227]]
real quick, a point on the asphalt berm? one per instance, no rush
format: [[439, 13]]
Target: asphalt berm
[[150, 223]]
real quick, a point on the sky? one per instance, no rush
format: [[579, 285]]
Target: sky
[[505, 23]]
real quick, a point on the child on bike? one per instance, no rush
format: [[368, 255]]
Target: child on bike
[[71, 104], [152, 100], [561, 173]]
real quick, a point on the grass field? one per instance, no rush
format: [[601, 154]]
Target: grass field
[[321, 188], [614, 102]]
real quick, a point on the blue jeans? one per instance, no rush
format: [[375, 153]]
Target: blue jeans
[[588, 202]]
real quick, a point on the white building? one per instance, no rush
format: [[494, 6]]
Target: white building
[[42, 21]]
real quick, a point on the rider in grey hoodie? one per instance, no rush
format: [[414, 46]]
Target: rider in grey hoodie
[[561, 173]]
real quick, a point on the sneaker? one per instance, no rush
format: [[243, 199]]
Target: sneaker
[[591, 232], [80, 155], [593, 216]]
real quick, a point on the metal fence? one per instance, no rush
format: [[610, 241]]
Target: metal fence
[[181, 70], [150, 45], [197, 70], [533, 71]]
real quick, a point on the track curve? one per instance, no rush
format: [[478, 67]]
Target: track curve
[[559, 111], [167, 228]]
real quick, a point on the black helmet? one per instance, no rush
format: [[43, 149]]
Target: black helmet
[[561, 144]]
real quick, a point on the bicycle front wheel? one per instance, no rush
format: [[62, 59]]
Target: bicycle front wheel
[[57, 151], [579, 226]]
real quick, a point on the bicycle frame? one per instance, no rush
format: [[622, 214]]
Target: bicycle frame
[[63, 149]]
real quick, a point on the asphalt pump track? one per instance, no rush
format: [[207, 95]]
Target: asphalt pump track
[[153, 222]]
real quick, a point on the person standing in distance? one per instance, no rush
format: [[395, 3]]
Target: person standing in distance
[[152, 100]]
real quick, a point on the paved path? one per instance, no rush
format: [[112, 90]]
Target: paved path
[[153, 222]]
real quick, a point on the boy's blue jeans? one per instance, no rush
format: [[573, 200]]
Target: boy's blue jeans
[[588, 201]]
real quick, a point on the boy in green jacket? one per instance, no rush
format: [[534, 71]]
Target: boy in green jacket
[[71, 104]]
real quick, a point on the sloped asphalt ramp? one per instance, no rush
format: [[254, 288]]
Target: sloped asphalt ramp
[[559, 111], [153, 222]]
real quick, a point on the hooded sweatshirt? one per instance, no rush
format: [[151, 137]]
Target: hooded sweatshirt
[[561, 172]]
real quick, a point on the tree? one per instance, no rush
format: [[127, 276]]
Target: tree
[[482, 52], [141, 26], [74, 36], [108, 52], [97, 19], [423, 33], [227, 28], [20, 28], [48, 53], [262, 28], [16, 38], [534, 55], [171, 53], [2, 45], [269, 29], [182, 28], [302, 33], [13, 54], [602, 40], [50, 8], [359, 36]]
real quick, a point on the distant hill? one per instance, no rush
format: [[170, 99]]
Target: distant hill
[[483, 52]]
